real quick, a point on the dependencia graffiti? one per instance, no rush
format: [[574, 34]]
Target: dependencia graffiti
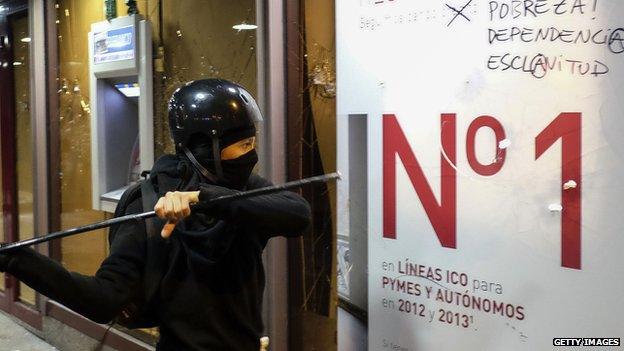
[[443, 214]]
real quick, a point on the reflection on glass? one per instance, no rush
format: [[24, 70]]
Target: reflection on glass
[[24, 141], [82, 253]]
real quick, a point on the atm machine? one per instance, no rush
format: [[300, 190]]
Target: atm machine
[[122, 132]]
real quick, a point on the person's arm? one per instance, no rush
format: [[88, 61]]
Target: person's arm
[[100, 297], [281, 213]]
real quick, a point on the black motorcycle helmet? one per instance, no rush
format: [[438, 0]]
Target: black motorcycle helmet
[[215, 112]]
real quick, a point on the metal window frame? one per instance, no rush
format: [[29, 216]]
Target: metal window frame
[[9, 299], [270, 17]]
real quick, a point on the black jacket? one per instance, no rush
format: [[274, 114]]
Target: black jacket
[[208, 276]]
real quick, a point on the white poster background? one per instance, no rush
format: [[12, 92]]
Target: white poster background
[[403, 57]]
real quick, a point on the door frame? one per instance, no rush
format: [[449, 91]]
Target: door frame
[[9, 298]]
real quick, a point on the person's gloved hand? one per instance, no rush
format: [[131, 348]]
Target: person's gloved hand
[[209, 192], [5, 259], [173, 207]]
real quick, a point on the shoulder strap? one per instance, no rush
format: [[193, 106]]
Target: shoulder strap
[[131, 194], [149, 198], [139, 313]]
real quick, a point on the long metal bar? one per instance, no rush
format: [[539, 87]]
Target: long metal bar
[[138, 216]]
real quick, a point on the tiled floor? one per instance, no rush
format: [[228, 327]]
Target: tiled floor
[[14, 337]]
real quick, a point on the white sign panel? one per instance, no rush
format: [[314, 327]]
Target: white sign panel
[[495, 158]]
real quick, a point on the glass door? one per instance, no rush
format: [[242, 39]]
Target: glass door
[[16, 145], [18, 25]]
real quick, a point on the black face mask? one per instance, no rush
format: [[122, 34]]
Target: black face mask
[[236, 172]]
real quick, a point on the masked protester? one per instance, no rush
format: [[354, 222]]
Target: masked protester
[[196, 274]]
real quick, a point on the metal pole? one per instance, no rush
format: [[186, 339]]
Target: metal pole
[[149, 214]]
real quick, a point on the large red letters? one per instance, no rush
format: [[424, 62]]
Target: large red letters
[[567, 127], [442, 215]]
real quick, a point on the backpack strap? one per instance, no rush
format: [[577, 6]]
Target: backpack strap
[[156, 261], [149, 198], [131, 194], [141, 313]]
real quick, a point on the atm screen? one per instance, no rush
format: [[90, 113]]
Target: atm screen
[[129, 89]]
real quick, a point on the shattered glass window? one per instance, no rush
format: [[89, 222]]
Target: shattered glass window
[[313, 287], [200, 39], [81, 253]]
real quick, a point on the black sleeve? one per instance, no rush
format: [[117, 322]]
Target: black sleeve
[[100, 297], [281, 213]]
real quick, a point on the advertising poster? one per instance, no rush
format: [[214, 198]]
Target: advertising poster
[[495, 158]]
